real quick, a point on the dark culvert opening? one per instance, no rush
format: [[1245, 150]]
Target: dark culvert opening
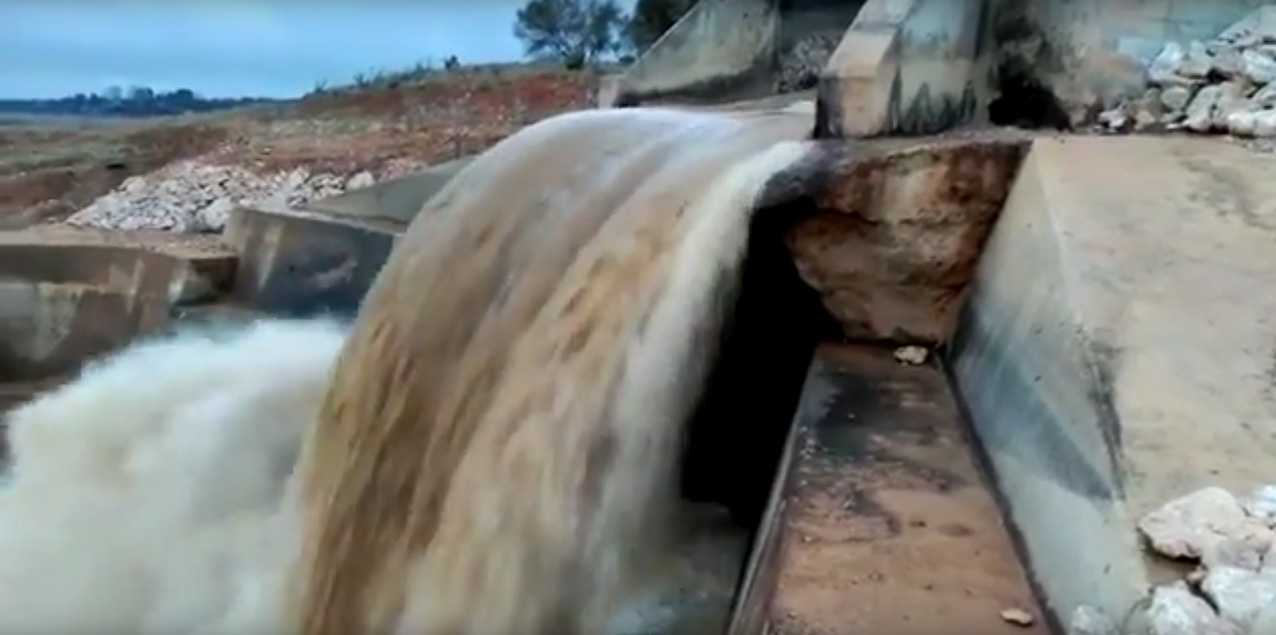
[[1023, 101], [736, 439], [1023, 54]]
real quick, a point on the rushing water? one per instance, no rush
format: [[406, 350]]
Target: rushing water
[[490, 448]]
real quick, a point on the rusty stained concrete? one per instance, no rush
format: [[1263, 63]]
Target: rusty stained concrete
[[900, 229]]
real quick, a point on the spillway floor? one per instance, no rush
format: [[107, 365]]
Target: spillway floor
[[881, 520]]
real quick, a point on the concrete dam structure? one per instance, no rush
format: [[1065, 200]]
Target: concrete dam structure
[[887, 67], [958, 370]]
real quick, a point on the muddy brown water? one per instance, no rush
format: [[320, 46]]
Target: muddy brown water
[[497, 261]]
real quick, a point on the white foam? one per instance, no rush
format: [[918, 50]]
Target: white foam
[[145, 496]]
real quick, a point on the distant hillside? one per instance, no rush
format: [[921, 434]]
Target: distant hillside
[[140, 102]]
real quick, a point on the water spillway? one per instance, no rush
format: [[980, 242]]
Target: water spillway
[[572, 386]]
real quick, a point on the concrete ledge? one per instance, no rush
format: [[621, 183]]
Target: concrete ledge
[[297, 264], [1116, 349], [395, 201], [67, 295], [905, 67], [879, 520]]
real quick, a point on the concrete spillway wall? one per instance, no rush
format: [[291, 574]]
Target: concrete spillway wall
[[725, 50], [924, 66]]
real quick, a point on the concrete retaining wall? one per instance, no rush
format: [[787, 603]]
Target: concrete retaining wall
[[906, 67], [1113, 350], [302, 264], [722, 49], [71, 296]]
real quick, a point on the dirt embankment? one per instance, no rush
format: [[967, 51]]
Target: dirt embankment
[[48, 171]]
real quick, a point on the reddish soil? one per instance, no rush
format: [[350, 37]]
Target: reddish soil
[[47, 173]]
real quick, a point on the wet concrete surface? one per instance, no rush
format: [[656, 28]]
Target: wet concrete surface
[[881, 521]]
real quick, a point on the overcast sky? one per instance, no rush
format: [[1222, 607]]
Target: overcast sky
[[270, 48]]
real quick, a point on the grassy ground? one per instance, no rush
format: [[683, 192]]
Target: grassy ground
[[50, 167]]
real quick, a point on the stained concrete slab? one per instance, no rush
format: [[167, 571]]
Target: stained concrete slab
[[301, 264], [1117, 350], [880, 521]]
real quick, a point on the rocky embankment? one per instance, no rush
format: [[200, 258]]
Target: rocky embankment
[[1224, 85], [197, 197], [1231, 542]]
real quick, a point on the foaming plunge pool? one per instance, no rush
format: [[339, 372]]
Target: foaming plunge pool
[[826, 487]]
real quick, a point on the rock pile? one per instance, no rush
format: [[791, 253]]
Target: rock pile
[[800, 66], [1225, 85], [192, 196], [1233, 589]]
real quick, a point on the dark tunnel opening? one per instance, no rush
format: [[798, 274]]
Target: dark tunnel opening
[[736, 439], [1021, 96]]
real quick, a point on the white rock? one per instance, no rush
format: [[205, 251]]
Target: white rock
[[1165, 66], [1228, 61], [1232, 98], [1269, 562], [1147, 111], [1185, 527], [1265, 622], [360, 180], [214, 216], [1258, 26], [1239, 594], [1088, 620], [1261, 503], [1258, 67], [1115, 119], [1197, 62], [133, 184], [1175, 610], [1176, 98], [1202, 109], [1253, 123], [1232, 551], [1017, 616], [1262, 99], [911, 355], [193, 196]]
